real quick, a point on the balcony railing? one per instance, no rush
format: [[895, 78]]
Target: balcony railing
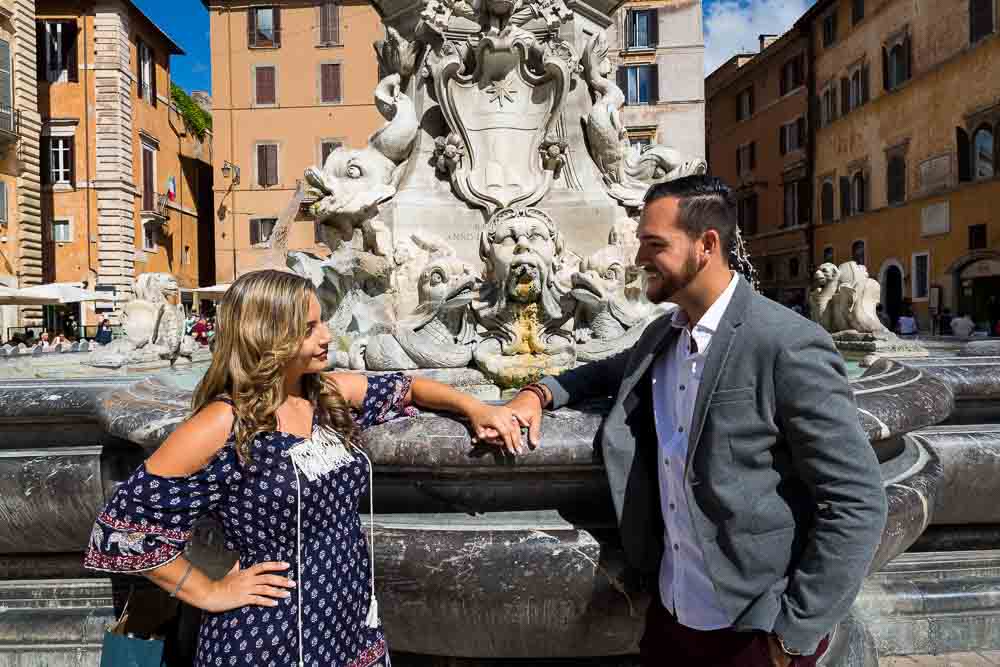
[[156, 206], [10, 123]]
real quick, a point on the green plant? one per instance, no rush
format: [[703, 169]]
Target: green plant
[[197, 120]]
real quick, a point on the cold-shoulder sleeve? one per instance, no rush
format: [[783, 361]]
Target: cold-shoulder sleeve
[[149, 518], [385, 400]]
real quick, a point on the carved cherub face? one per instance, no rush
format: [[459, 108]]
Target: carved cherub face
[[826, 274], [521, 250]]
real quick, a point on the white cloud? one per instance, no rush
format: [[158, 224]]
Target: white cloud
[[733, 26]]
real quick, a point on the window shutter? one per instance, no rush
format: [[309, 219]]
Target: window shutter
[[140, 77], [151, 54], [654, 87], [865, 83], [980, 19], [148, 186], [251, 26], [845, 197], [964, 155], [329, 23], [908, 50], [751, 101], [41, 49], [739, 160], [866, 192], [826, 204], [45, 159], [5, 83], [800, 129], [805, 201], [330, 82], [3, 201], [782, 139], [885, 69], [262, 165], [845, 96], [622, 76], [254, 232], [272, 164], [654, 27], [783, 82], [630, 31], [753, 154], [69, 50], [277, 26], [266, 88]]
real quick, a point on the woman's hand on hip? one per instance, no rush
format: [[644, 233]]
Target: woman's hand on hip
[[254, 585]]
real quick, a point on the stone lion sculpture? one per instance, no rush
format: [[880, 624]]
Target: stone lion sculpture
[[843, 300]]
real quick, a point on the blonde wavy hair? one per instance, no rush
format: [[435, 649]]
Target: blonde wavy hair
[[260, 326]]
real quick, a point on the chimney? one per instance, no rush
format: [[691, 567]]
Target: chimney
[[767, 40]]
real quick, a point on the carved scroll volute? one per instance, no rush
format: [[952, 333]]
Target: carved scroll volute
[[504, 114]]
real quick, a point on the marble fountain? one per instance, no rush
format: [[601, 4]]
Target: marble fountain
[[502, 121]]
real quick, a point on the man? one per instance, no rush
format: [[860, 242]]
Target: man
[[734, 442], [963, 326]]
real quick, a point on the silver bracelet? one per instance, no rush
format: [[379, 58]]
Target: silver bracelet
[[184, 577]]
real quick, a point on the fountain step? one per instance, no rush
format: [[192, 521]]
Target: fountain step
[[940, 602], [970, 458]]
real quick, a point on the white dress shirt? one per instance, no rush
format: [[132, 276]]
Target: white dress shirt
[[685, 587]]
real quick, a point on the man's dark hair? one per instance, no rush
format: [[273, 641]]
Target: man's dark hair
[[706, 202]]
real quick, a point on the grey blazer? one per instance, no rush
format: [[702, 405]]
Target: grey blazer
[[784, 488]]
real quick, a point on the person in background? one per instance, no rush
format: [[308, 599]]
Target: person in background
[[29, 337], [103, 332], [45, 341], [200, 331], [944, 323], [963, 326], [908, 325]]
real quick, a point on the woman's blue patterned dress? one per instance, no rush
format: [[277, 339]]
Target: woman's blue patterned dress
[[149, 519]]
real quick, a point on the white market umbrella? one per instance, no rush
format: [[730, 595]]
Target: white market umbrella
[[52, 294]]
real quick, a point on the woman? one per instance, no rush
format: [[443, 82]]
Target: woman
[[270, 450], [103, 332]]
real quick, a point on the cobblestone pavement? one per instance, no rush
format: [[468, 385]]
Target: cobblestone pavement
[[977, 659]]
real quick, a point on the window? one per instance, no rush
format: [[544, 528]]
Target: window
[[264, 27], [977, 237], [261, 229], [797, 203], [964, 150], [744, 104], [896, 64], [57, 51], [265, 85], [186, 255], [980, 19], [746, 215], [921, 275], [61, 231], [982, 153], [857, 11], [792, 74], [3, 203], [267, 165], [829, 105], [640, 84], [7, 118], [792, 136], [746, 158], [57, 160], [326, 147], [827, 202], [858, 253], [641, 28], [828, 254], [845, 197], [858, 193], [329, 86], [830, 29], [793, 267], [148, 177], [640, 142], [329, 23], [149, 234], [146, 73], [896, 179]]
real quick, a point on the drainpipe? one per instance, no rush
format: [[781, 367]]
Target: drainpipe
[[813, 120], [85, 79], [232, 126]]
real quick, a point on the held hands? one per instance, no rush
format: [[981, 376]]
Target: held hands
[[496, 425], [250, 586]]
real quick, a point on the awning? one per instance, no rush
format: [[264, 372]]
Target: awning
[[52, 294], [212, 292]]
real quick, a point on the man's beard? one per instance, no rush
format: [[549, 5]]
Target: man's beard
[[668, 287]]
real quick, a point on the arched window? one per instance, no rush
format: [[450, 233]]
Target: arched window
[[896, 179], [793, 267], [982, 153], [858, 193], [827, 202], [856, 89], [858, 252]]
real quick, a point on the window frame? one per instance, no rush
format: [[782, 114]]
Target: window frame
[[325, 43], [916, 274], [790, 216], [65, 153], [859, 196], [69, 229], [150, 232], [65, 52], [891, 157], [256, 163], [145, 72], [829, 28], [147, 147], [864, 251], [833, 255], [340, 85], [631, 29], [328, 140], [263, 240], [257, 104], [742, 205], [252, 19], [827, 181], [746, 113], [652, 84], [975, 155]]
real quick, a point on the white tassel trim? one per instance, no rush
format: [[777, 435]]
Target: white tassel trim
[[321, 454], [372, 620]]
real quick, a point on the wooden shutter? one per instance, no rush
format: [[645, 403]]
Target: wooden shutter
[[753, 154], [845, 96], [140, 76], [805, 201], [866, 192], [865, 83], [45, 159], [654, 27], [277, 25], [262, 165], [964, 155], [266, 88], [3, 201], [329, 22], [885, 69], [330, 82], [254, 232], [69, 50], [800, 130], [148, 186], [654, 84], [783, 82], [151, 55], [5, 85], [251, 26], [272, 164], [739, 160], [622, 76], [783, 139], [845, 197], [751, 101], [908, 52], [41, 49]]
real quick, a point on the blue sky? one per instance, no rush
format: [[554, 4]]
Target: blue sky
[[730, 26]]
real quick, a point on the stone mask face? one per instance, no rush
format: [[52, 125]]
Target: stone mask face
[[522, 251]]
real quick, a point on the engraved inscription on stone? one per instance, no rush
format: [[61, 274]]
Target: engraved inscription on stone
[[935, 219], [935, 173]]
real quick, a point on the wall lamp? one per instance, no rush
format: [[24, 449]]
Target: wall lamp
[[230, 169]]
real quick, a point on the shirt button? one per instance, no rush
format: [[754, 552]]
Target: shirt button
[[680, 429], [672, 506], [682, 387], [677, 547], [666, 462]]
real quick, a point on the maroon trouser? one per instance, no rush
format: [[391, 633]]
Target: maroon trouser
[[667, 641]]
